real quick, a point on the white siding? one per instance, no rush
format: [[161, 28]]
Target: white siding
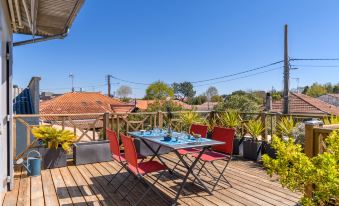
[[6, 36]]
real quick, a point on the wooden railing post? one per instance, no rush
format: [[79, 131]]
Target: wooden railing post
[[263, 121], [310, 145], [161, 119], [105, 124]]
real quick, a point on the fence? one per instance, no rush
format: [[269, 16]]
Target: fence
[[91, 127]]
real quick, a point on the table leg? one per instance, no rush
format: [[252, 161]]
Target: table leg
[[156, 154], [189, 171]]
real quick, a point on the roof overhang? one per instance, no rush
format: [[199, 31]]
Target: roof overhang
[[44, 18]]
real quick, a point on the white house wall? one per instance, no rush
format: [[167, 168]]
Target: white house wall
[[6, 36]]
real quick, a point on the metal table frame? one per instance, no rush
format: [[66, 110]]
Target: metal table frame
[[189, 168]]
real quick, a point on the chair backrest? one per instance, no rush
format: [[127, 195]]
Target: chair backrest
[[130, 152], [199, 129], [223, 135], [113, 144]]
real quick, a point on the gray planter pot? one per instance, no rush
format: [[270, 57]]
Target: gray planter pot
[[53, 158], [252, 150], [91, 152]]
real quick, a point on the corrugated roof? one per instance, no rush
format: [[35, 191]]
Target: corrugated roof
[[53, 17]]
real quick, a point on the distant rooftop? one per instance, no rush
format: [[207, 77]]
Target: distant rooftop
[[303, 104], [82, 103]]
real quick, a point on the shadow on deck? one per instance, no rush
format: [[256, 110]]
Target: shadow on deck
[[87, 185]]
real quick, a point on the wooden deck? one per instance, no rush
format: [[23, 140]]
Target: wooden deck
[[87, 185]]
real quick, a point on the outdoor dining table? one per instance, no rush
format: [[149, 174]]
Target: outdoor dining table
[[152, 139]]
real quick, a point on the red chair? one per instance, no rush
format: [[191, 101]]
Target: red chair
[[194, 129], [141, 169], [115, 151], [219, 152]]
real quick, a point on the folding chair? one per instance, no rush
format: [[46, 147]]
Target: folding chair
[[194, 129], [115, 151], [140, 169], [219, 152]]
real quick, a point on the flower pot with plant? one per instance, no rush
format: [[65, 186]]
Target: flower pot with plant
[[252, 146], [231, 119], [189, 118], [57, 144]]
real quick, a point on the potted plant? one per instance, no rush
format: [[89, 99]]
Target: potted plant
[[189, 118], [285, 129], [210, 124], [252, 146], [231, 119], [57, 144]]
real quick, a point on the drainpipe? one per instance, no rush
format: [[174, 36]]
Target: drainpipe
[[31, 41]]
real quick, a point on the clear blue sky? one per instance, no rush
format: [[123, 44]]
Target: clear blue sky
[[185, 40]]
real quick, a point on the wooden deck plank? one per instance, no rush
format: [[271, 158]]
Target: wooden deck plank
[[87, 185], [11, 198], [37, 194], [60, 188], [137, 192], [72, 188], [103, 183], [50, 196], [85, 190], [100, 192], [24, 198]]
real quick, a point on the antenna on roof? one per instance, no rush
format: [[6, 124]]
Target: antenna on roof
[[71, 76]]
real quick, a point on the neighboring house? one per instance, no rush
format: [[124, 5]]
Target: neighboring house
[[142, 105], [303, 104], [26, 101], [207, 106], [84, 103], [331, 99], [49, 20]]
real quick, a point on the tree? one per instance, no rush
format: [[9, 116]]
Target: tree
[[159, 90], [183, 90], [124, 91], [316, 90], [211, 91], [241, 102], [198, 100]]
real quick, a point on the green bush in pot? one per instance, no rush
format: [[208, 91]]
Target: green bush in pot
[[231, 119], [189, 118], [58, 143], [252, 147]]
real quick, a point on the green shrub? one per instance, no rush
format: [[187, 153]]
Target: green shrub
[[255, 128], [189, 118], [285, 127], [230, 119], [53, 138], [296, 170]]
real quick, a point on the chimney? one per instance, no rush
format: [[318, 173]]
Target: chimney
[[268, 102]]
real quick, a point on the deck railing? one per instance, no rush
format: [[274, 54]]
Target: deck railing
[[91, 127]]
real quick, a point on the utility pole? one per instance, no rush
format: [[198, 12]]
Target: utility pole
[[286, 71], [72, 78], [109, 85]]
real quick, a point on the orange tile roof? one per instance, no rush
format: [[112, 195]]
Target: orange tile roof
[[143, 104], [82, 103], [303, 104]]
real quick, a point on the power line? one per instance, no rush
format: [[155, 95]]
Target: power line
[[315, 59], [242, 77], [131, 82], [303, 65], [238, 73]]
